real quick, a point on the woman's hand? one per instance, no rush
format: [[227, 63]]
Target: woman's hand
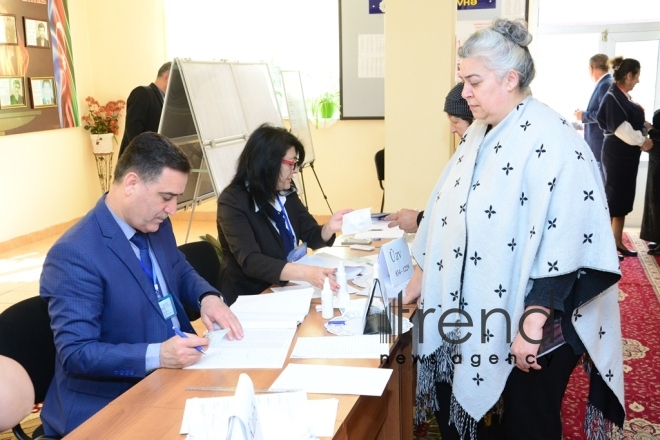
[[314, 275], [405, 219], [522, 349], [647, 145], [334, 224], [414, 287]]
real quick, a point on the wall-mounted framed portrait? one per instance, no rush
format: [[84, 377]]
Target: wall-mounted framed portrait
[[12, 92], [43, 92], [8, 33], [36, 32]]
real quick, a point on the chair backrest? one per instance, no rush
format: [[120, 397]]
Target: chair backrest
[[380, 166], [204, 259], [26, 337]]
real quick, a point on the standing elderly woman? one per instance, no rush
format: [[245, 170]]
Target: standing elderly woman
[[262, 222], [625, 129], [515, 244]]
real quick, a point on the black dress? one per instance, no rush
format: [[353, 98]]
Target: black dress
[[620, 160], [651, 218]]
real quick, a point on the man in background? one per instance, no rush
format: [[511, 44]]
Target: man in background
[[42, 40], [116, 286], [47, 97], [144, 106], [592, 132], [16, 97]]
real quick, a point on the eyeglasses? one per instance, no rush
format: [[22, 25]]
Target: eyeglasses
[[292, 163]]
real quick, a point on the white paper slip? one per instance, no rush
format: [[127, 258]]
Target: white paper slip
[[259, 348], [331, 379], [322, 414], [290, 305], [326, 259], [340, 347], [356, 221], [381, 233]]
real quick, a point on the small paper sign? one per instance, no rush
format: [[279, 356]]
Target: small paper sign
[[396, 266]]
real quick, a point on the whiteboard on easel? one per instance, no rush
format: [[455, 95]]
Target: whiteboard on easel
[[295, 102], [227, 101], [257, 95]]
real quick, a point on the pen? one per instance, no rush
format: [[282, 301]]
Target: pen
[[183, 335], [337, 321]]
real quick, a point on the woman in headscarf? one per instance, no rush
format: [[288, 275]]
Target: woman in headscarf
[[515, 244]]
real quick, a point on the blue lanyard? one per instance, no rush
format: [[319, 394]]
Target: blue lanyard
[[152, 275], [286, 217]]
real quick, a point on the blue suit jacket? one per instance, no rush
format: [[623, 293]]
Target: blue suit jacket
[[104, 312], [593, 134]]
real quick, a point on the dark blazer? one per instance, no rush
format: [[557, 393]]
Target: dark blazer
[[143, 108], [104, 312], [593, 134], [253, 253]]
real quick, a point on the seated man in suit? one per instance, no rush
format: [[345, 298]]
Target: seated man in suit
[[116, 286], [144, 106]]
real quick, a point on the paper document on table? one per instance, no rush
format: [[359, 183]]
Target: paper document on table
[[280, 416], [260, 311], [331, 379], [381, 232], [322, 414], [235, 419], [325, 259], [340, 347], [259, 348]]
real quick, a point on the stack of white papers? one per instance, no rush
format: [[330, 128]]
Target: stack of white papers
[[273, 416], [324, 259], [340, 347], [273, 310], [331, 379]]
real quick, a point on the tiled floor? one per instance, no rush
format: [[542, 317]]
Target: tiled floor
[[20, 267]]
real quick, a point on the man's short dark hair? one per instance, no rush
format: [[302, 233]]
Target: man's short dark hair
[[16, 83], [148, 154], [164, 68], [41, 26]]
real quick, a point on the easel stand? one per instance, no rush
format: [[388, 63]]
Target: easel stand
[[302, 179]]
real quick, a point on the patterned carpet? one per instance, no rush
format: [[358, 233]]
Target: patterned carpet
[[640, 315], [639, 300]]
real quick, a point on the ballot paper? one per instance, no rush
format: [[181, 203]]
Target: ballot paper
[[270, 416], [332, 379], [356, 221], [344, 347], [326, 259]]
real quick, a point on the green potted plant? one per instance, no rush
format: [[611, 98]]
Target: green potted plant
[[324, 107]]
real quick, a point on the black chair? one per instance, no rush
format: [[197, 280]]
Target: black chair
[[26, 337], [380, 171], [203, 257]]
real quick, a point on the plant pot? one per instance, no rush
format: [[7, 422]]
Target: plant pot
[[326, 110], [101, 143]]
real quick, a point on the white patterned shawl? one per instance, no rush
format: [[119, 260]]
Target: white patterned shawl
[[522, 203]]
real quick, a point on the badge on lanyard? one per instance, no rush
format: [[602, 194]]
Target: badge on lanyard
[[297, 253], [167, 306]]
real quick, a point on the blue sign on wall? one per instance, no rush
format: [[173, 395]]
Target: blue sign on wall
[[374, 7], [466, 5]]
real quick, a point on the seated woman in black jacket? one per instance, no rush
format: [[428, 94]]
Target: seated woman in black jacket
[[263, 225]]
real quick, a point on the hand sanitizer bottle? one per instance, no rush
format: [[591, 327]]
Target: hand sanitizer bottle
[[326, 300], [342, 293]]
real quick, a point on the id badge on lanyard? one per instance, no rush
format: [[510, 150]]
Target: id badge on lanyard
[[298, 251], [166, 303]]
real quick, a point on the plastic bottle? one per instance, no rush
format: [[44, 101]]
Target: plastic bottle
[[327, 311], [342, 294]]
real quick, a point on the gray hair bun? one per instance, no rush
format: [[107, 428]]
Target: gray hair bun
[[515, 30]]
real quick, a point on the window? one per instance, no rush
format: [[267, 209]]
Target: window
[[300, 35]]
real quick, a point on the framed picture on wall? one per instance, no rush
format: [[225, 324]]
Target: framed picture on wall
[[8, 33], [36, 32], [12, 92], [43, 92]]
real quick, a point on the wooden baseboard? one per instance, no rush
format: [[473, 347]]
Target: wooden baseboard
[[36, 236]]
